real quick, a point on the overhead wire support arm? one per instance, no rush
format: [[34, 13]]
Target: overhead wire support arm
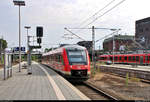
[[104, 37], [74, 34], [116, 30], [112, 29]]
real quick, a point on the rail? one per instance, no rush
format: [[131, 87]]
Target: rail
[[101, 91]]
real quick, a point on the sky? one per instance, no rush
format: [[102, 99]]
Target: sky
[[55, 15]]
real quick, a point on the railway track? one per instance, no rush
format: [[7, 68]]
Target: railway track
[[142, 74], [94, 93], [120, 75]]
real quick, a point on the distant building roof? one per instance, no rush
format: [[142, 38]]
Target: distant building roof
[[120, 37], [84, 42], [143, 20], [87, 44]]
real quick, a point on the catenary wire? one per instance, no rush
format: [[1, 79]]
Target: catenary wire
[[97, 12], [106, 12]]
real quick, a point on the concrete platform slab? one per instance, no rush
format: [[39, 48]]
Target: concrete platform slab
[[42, 84]]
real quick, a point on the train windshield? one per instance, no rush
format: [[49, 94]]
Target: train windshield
[[77, 57]]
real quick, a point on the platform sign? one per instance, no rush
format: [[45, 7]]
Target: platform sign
[[17, 48], [22, 48]]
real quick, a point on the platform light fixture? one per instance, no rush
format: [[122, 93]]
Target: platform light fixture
[[19, 3]]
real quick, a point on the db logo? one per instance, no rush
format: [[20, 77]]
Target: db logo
[[78, 67]]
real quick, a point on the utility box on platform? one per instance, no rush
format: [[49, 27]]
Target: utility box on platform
[[7, 65]]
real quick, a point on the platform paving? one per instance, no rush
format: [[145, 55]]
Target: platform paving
[[42, 84]]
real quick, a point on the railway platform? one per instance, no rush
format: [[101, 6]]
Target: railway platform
[[42, 84]]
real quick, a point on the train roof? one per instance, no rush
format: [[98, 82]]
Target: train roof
[[73, 47], [67, 47]]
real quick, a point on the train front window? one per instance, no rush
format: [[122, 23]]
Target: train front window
[[78, 57]]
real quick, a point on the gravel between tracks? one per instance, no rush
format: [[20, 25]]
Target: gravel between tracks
[[135, 90]]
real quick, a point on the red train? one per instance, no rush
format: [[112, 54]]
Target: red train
[[72, 61], [142, 59]]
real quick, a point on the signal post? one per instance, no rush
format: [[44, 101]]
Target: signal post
[[39, 34]]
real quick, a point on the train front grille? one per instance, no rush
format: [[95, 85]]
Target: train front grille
[[79, 72]]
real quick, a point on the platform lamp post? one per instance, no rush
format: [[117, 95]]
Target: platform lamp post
[[19, 3]]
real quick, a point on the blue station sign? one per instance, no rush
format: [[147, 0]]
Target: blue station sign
[[17, 48]]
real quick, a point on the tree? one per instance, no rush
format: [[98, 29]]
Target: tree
[[47, 49], [3, 45]]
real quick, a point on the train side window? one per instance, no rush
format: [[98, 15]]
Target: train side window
[[102, 58], [133, 58], [146, 58], [62, 61], [125, 58], [120, 58], [55, 58], [137, 58], [111, 58], [58, 58], [51, 58], [106, 58], [116, 58], [130, 58]]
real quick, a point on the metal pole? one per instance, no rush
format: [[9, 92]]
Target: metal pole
[[1, 49], [27, 38], [113, 48], [29, 61], [28, 52], [27, 27], [27, 48], [29, 55], [114, 43], [93, 47], [146, 61], [4, 65], [19, 41]]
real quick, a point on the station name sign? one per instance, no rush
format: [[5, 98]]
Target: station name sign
[[17, 49]]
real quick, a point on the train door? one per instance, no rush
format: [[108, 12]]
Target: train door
[[146, 59], [141, 59]]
